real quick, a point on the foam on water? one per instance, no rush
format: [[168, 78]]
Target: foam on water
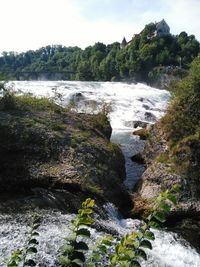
[[169, 249], [129, 101]]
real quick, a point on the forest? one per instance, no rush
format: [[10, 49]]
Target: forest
[[145, 57]]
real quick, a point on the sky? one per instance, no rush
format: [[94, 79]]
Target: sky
[[31, 24]]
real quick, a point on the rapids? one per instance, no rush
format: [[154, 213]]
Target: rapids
[[130, 103]]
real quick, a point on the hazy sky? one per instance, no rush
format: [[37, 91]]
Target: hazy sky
[[30, 24]]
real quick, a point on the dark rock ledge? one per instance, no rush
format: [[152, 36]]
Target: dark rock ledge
[[58, 159]]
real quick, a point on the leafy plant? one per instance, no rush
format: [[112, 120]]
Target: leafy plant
[[22, 256], [74, 249], [126, 252]]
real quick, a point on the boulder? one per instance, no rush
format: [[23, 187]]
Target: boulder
[[136, 124], [60, 151], [148, 116], [138, 158]]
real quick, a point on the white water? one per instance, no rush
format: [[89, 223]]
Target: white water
[[130, 102]]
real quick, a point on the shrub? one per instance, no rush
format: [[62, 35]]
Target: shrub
[[181, 123], [27, 102]]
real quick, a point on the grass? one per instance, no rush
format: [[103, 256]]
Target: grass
[[143, 133], [181, 124], [27, 102], [163, 158]]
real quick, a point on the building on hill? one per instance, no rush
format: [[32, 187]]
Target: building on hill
[[162, 28], [123, 43]]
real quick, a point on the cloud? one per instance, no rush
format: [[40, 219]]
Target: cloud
[[35, 23], [183, 15]]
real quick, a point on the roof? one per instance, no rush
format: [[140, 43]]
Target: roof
[[161, 22]]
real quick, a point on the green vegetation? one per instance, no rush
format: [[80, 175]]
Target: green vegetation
[[143, 133], [127, 251], [9, 100], [74, 249], [143, 60], [77, 249], [181, 124]]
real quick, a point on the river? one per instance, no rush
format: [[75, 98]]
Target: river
[[130, 103]]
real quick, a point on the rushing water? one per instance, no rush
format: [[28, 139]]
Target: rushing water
[[130, 103]]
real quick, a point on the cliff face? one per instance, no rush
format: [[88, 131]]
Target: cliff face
[[162, 173], [64, 153]]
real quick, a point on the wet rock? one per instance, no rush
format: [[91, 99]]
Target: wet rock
[[149, 116], [146, 106], [76, 97], [138, 158], [136, 124]]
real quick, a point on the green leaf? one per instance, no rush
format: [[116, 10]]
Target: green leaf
[[12, 264], [81, 246], [134, 264], [66, 249], [176, 188], [143, 228], [86, 221], [71, 237], [88, 203], [140, 253], [35, 234], [87, 211], [97, 257], [149, 235], [114, 259], [78, 262], [36, 226], [172, 198], [102, 248], [146, 244], [33, 241], [159, 216], [83, 232], [64, 260], [78, 255], [36, 219], [107, 242], [91, 265], [30, 263], [154, 225], [165, 207], [31, 250]]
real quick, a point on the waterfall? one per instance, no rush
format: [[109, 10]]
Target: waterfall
[[130, 103]]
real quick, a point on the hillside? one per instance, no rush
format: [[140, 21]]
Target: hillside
[[144, 59]]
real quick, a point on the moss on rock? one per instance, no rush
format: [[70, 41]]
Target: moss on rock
[[52, 148]]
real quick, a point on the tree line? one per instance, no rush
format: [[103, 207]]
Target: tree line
[[137, 61]]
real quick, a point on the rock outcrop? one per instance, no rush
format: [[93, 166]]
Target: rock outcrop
[[62, 153], [161, 174]]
